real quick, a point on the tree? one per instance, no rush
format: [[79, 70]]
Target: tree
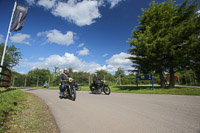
[[149, 41], [38, 77], [103, 74], [183, 32], [162, 41], [55, 76], [120, 72], [17, 79], [12, 56]]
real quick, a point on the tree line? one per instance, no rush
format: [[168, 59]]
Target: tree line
[[37, 78]]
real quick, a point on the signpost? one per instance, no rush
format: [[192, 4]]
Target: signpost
[[145, 77]]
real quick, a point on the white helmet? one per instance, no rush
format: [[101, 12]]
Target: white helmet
[[65, 69]]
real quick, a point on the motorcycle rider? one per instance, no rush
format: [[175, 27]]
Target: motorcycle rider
[[96, 82], [63, 78]]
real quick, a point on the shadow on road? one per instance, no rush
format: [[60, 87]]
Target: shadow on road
[[31, 89], [129, 88]]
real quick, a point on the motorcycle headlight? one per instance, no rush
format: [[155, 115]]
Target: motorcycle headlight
[[70, 80]]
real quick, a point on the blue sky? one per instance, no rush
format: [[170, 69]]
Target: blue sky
[[87, 35]]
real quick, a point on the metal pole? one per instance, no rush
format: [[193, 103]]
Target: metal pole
[[152, 82], [4, 51]]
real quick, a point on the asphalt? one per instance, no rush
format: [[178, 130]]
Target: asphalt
[[123, 113]]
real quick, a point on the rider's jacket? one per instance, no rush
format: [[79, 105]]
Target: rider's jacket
[[64, 77], [95, 80]]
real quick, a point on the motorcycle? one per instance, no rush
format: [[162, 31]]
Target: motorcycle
[[69, 90], [76, 86], [101, 87]]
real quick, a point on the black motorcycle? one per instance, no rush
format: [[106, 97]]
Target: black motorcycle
[[69, 91], [100, 87]]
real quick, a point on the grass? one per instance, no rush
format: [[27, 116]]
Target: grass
[[157, 90], [148, 90], [35, 118], [24, 112], [11, 100]]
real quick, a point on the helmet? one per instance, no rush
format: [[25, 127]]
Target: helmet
[[95, 74]]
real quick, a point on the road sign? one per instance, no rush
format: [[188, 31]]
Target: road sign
[[145, 77]]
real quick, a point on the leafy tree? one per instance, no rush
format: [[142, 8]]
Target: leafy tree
[[162, 41], [81, 77], [119, 72], [17, 79], [183, 39], [55, 80], [12, 56], [104, 74], [38, 75], [128, 79]]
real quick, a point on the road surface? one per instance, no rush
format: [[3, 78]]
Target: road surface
[[123, 113]]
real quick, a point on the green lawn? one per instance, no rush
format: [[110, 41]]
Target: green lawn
[[148, 90], [10, 100], [145, 89]]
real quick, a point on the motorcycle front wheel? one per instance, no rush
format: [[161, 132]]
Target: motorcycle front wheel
[[107, 90], [73, 94]]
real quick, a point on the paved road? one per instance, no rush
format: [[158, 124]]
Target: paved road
[[124, 113]]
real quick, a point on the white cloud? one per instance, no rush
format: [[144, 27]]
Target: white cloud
[[83, 52], [119, 59], [46, 3], [32, 57], [55, 36], [81, 13], [41, 59], [81, 45], [70, 60], [30, 2], [1, 38], [20, 38], [113, 3], [104, 55]]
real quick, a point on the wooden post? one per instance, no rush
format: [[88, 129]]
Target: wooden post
[[178, 80], [89, 80], [49, 80], [185, 79], [37, 81], [25, 82], [190, 79], [195, 81], [13, 83], [120, 80]]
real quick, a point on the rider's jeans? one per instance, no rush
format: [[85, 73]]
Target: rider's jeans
[[62, 87]]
